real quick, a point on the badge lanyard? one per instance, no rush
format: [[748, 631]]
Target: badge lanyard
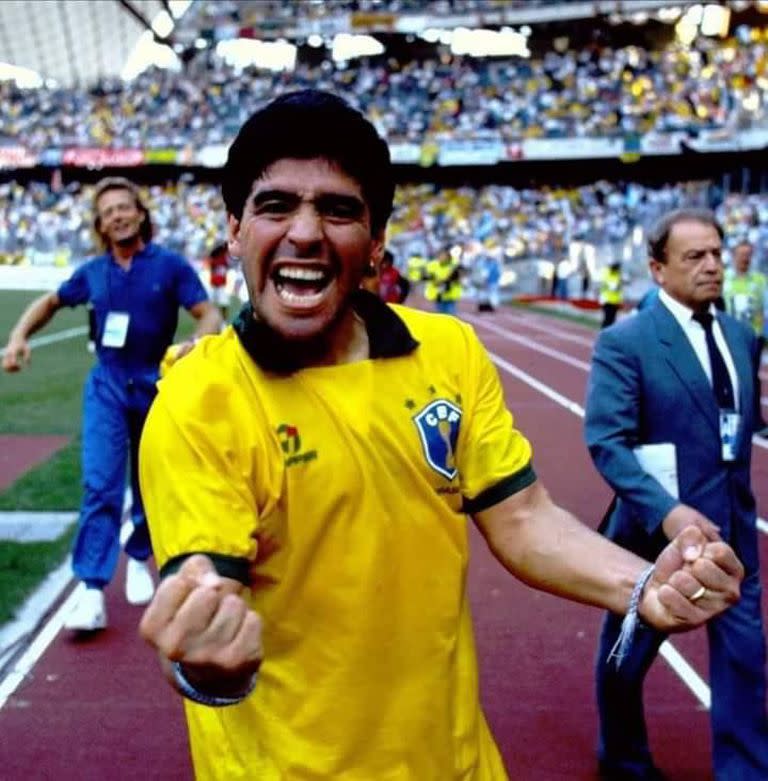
[[116, 323]]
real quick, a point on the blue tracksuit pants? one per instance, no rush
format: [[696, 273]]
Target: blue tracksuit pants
[[115, 405]]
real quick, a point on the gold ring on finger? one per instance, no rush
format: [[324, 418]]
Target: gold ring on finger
[[698, 595]]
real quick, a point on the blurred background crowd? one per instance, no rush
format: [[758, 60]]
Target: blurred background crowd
[[588, 225]]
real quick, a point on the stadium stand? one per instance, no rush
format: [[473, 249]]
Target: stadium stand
[[597, 92], [567, 148]]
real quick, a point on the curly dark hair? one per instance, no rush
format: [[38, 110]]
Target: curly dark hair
[[305, 125]]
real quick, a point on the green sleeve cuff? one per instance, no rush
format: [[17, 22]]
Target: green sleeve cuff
[[496, 493]]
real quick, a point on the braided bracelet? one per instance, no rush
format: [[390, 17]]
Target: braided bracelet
[[213, 701], [631, 619]]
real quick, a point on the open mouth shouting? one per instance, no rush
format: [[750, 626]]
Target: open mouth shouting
[[302, 286]]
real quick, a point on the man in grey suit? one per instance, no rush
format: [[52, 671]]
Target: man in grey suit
[[673, 388]]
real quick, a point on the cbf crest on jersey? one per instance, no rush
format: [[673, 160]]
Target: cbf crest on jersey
[[438, 424]]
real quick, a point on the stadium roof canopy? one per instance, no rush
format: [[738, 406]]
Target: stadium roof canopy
[[75, 42]]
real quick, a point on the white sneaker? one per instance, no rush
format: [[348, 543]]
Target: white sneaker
[[90, 612], [139, 586]]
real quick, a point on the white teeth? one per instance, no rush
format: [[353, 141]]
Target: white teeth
[[293, 298], [297, 272]]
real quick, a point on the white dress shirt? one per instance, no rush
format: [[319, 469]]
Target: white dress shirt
[[696, 336]]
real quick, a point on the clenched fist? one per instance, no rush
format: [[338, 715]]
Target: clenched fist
[[200, 619], [695, 579]]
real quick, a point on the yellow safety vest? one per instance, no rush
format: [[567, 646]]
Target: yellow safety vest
[[611, 287], [416, 268], [438, 285]]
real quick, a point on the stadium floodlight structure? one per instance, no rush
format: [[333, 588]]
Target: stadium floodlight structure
[[301, 20], [79, 42]]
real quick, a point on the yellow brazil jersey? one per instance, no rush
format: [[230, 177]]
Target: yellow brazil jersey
[[339, 494]]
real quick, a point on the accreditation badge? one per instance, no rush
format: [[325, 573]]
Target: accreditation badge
[[743, 308], [729, 427], [115, 329]]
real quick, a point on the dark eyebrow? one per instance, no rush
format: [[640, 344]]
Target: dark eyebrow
[[350, 202], [273, 195], [323, 200]]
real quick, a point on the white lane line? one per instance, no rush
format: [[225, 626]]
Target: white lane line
[[691, 678], [47, 634], [528, 322], [59, 336], [38, 647], [686, 673], [504, 333], [548, 391]]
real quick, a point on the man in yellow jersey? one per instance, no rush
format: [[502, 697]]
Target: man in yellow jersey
[[308, 474]]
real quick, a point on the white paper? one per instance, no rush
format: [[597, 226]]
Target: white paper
[[660, 462]]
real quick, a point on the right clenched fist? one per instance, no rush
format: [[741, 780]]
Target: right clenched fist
[[198, 618]]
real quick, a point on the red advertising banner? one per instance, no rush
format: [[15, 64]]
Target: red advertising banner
[[92, 157], [17, 157]]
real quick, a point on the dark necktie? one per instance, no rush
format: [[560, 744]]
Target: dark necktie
[[721, 380]]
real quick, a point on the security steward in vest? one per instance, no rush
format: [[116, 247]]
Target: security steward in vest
[[611, 293], [416, 269], [443, 283]]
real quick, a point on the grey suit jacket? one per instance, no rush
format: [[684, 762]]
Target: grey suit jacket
[[647, 386]]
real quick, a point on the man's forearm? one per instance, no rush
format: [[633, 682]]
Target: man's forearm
[[555, 552], [35, 316]]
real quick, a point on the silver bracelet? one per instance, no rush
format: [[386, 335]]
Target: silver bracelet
[[631, 619], [211, 700]]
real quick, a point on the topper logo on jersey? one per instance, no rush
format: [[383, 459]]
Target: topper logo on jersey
[[290, 443], [438, 424]]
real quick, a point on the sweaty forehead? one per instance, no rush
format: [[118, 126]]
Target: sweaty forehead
[[306, 178]]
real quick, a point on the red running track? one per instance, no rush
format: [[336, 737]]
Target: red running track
[[19, 453], [100, 708]]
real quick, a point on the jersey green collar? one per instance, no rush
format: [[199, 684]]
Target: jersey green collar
[[388, 335]]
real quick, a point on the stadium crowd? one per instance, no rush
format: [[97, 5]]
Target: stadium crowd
[[598, 91], [48, 224]]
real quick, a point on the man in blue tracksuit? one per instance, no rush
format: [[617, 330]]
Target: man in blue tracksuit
[[135, 288]]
